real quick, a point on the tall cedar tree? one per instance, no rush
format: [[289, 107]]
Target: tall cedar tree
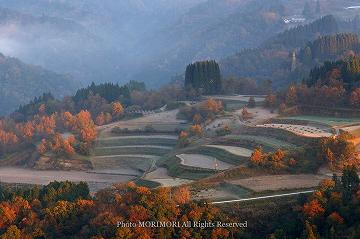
[[204, 75]]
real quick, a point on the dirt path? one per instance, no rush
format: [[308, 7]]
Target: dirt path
[[203, 161], [279, 182], [96, 181], [264, 197]]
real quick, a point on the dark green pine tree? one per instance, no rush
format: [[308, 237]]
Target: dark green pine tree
[[204, 76], [350, 183]]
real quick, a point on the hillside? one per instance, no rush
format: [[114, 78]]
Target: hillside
[[20, 83], [127, 38], [274, 60]]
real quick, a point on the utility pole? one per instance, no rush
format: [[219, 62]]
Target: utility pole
[[293, 61]]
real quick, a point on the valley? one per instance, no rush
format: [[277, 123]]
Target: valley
[[243, 114]]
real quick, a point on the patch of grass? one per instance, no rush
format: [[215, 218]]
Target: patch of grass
[[253, 141], [146, 183], [280, 134], [174, 105], [231, 105], [236, 189], [137, 163], [150, 128]]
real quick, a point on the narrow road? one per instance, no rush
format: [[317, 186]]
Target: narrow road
[[263, 197]]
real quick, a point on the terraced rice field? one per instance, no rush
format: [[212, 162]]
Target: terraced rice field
[[164, 140], [239, 151], [164, 121], [279, 182], [332, 121], [161, 176], [302, 130], [243, 98], [269, 142], [203, 161], [133, 154]]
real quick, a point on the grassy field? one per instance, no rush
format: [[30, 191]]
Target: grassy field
[[231, 105], [131, 150], [122, 162], [332, 121], [252, 141], [279, 134], [137, 141]]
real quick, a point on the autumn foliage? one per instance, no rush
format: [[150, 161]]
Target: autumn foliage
[[313, 208], [66, 210], [202, 112], [277, 160], [58, 134]]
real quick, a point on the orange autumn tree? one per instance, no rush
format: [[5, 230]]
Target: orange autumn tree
[[27, 130], [56, 144], [335, 218], [182, 195], [7, 215], [213, 105], [313, 208], [42, 147], [68, 120], [45, 125], [257, 157], [117, 109], [85, 126], [8, 138], [68, 148], [196, 130], [277, 159]]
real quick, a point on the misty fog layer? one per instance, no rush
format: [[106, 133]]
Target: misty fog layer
[[145, 40]]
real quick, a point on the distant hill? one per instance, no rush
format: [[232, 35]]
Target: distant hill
[[20, 83], [299, 36], [275, 61], [145, 40]]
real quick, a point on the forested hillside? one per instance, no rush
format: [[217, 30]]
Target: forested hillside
[[299, 36], [330, 48], [20, 83], [290, 55], [332, 88]]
